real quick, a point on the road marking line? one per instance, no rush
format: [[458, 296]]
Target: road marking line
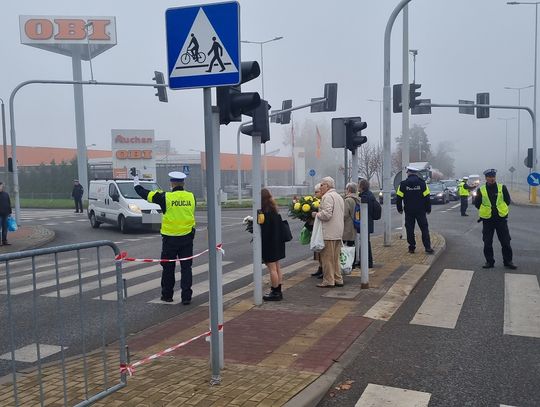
[[16, 277], [28, 353], [455, 206], [443, 304], [375, 395], [521, 305], [385, 308]]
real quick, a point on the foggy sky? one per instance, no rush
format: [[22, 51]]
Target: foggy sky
[[465, 47]]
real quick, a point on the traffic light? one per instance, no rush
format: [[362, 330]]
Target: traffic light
[[330, 94], [161, 90], [353, 133], [261, 125], [529, 158], [230, 99], [133, 171], [286, 117], [413, 95], [482, 99], [396, 98], [10, 164]]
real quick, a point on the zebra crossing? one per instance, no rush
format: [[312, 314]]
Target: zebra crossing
[[376, 395], [442, 307]]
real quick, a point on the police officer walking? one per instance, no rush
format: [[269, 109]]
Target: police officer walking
[[463, 191], [492, 201], [177, 231], [415, 194]]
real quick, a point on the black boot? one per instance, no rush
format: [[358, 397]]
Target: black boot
[[318, 272], [274, 294]]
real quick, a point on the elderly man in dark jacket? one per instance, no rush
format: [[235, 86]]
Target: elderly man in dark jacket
[[77, 195], [5, 211]]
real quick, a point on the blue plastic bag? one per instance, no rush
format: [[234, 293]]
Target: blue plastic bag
[[12, 224]]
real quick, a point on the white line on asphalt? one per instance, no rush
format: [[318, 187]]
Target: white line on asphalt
[[16, 277], [28, 353], [396, 295], [442, 306], [455, 206], [153, 284], [375, 395], [521, 305]]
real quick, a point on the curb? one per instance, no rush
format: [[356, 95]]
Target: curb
[[313, 394]]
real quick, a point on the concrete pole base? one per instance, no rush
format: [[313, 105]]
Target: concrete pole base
[[364, 285]]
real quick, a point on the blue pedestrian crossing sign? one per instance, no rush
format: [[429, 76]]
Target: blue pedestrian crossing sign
[[185, 169], [312, 172], [203, 45], [534, 179]]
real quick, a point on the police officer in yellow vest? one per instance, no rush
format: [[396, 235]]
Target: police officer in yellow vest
[[463, 191], [177, 231], [492, 201]]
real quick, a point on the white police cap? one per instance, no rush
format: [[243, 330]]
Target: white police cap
[[465, 177], [177, 176], [410, 168]]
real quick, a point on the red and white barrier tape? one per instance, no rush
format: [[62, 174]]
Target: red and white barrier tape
[[130, 368], [123, 256]]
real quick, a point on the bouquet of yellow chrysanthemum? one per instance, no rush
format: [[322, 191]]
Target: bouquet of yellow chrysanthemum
[[301, 208]]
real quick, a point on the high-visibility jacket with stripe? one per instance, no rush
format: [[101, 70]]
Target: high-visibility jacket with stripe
[[485, 207], [179, 216], [462, 190]]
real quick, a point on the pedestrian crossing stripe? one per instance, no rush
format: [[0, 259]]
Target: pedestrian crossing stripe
[[521, 305], [199, 37]]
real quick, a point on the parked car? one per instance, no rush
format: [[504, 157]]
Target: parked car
[[438, 193], [452, 186], [392, 197]]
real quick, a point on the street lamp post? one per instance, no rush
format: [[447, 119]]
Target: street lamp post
[[261, 43], [506, 120], [519, 89], [535, 3], [4, 139], [414, 53]]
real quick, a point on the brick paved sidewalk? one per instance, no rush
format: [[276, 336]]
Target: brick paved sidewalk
[[27, 237], [272, 352]]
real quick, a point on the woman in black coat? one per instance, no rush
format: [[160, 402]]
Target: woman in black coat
[[273, 245]]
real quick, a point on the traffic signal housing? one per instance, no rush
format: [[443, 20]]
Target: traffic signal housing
[[232, 102], [353, 133], [396, 98], [286, 117], [414, 94], [261, 124], [161, 90], [482, 99], [133, 171]]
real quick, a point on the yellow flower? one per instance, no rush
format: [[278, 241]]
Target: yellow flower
[[306, 208], [297, 206], [316, 204], [308, 198]]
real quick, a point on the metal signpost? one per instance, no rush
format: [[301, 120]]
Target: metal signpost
[[203, 50]]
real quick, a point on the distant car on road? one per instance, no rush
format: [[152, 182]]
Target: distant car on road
[[452, 186], [438, 193]]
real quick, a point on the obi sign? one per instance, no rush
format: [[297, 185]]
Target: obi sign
[[133, 148]]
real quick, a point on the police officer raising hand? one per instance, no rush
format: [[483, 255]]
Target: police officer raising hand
[[177, 231], [414, 193]]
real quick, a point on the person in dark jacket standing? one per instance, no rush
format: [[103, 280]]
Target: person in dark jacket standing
[[273, 245], [77, 195], [364, 191], [5, 211], [492, 201], [415, 194], [177, 231]]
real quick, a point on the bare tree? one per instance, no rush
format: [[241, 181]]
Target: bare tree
[[370, 162]]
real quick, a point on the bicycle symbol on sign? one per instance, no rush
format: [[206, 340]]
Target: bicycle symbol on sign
[[192, 52]]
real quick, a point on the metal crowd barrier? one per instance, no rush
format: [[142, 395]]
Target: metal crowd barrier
[[99, 368]]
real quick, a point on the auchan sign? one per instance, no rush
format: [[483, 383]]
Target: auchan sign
[[69, 35]]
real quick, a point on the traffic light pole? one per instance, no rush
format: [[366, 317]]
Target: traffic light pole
[[354, 178], [405, 99], [213, 171], [12, 124], [533, 196]]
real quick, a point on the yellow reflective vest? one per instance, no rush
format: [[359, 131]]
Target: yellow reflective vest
[[462, 190], [485, 207], [179, 216]]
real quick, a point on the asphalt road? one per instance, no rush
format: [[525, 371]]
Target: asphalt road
[[475, 363], [75, 320]]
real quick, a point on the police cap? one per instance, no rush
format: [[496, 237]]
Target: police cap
[[490, 172], [177, 176], [412, 170]]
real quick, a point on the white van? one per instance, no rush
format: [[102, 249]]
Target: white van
[[117, 203]]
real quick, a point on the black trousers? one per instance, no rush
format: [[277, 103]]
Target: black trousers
[[3, 223], [177, 247], [464, 204], [78, 204], [350, 243], [421, 219], [500, 225]]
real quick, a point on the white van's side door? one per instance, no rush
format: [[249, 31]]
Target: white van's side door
[[113, 205]]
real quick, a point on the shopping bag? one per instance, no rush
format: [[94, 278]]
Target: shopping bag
[[346, 259], [286, 234], [305, 236], [11, 224], [316, 242]]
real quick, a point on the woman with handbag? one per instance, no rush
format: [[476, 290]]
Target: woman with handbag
[[5, 211], [273, 244]]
